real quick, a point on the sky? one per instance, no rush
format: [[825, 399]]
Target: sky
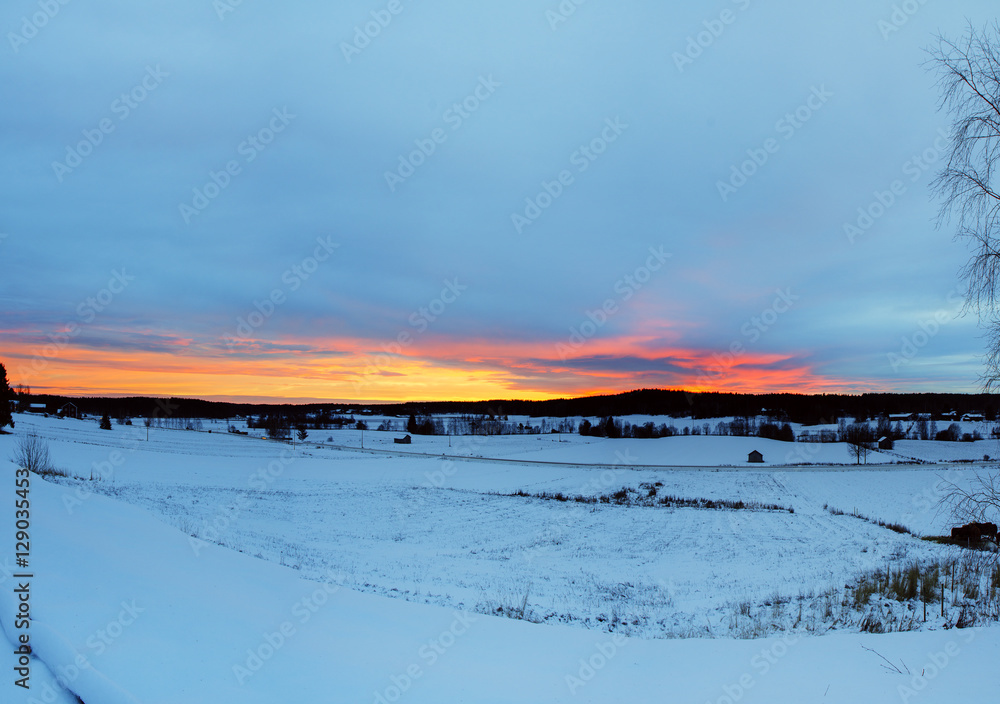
[[392, 200]]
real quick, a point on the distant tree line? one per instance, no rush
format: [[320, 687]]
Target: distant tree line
[[492, 417], [744, 426], [795, 408], [480, 424]]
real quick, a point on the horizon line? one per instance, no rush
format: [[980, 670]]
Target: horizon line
[[303, 401]]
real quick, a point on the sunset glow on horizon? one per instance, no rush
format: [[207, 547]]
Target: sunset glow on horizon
[[344, 375]]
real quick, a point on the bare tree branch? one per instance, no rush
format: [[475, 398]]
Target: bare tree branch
[[979, 501], [969, 84]]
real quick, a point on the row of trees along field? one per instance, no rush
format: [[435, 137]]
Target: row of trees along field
[[793, 408]]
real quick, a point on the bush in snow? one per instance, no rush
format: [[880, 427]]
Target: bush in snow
[[32, 453]]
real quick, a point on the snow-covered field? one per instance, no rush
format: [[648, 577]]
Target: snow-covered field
[[420, 548]]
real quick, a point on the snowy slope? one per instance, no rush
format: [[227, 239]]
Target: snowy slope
[[435, 531], [205, 615], [691, 451]]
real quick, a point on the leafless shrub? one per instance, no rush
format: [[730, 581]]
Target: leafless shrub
[[32, 453]]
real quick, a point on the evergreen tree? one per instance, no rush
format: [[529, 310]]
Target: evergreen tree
[[611, 428], [883, 428], [276, 427], [5, 399], [786, 434]]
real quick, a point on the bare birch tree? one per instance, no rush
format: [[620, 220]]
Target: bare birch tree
[[969, 80]]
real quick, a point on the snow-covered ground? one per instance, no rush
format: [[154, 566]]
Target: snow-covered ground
[[421, 548]]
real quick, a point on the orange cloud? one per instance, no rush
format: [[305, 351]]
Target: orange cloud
[[434, 368]]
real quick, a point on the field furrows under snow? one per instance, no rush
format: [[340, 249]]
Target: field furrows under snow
[[444, 532]]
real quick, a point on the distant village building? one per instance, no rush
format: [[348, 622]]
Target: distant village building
[[885, 443], [69, 410], [973, 417], [402, 441], [37, 408], [755, 456]]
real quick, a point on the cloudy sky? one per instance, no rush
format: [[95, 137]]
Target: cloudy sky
[[397, 200]]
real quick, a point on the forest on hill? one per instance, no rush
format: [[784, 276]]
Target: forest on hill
[[795, 408]]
